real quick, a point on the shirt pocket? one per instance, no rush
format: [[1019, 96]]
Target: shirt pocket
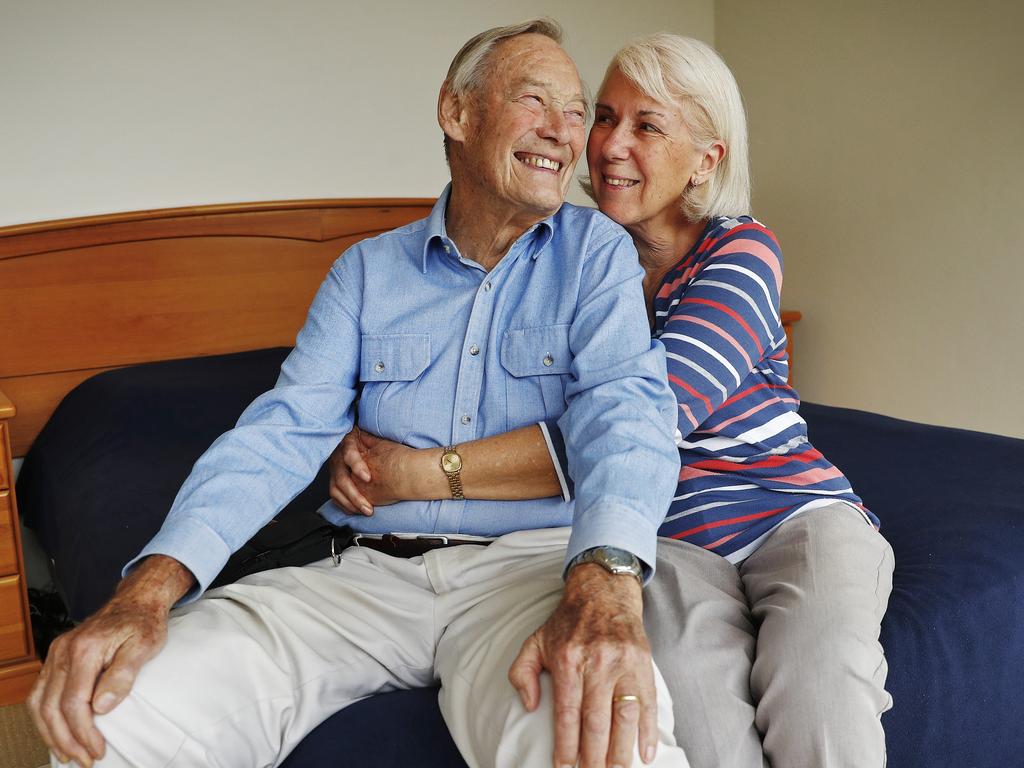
[[538, 360], [390, 369]]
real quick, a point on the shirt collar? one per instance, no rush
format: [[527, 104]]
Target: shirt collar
[[542, 231]]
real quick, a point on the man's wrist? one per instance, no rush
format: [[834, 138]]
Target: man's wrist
[[158, 582], [614, 560], [429, 482], [591, 582]]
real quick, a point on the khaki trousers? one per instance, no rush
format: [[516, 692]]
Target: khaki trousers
[[251, 668], [777, 661]]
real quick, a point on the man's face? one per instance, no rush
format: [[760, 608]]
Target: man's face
[[525, 129]]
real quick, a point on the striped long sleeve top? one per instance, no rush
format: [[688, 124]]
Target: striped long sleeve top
[[747, 464]]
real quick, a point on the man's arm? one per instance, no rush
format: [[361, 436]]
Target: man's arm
[[369, 471], [279, 442], [93, 667], [619, 433], [242, 480]]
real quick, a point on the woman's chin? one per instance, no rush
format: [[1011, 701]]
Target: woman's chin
[[616, 211]]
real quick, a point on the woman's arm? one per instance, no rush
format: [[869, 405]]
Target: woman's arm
[[368, 471]]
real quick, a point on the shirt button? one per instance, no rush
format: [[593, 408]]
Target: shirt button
[[474, 350], [488, 286], [447, 249], [379, 366], [548, 360], [466, 419]]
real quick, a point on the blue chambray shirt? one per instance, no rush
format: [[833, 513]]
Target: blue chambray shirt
[[444, 352]]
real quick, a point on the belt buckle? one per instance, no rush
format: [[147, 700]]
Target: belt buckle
[[441, 541]]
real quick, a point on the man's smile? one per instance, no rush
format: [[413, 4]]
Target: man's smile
[[539, 161]]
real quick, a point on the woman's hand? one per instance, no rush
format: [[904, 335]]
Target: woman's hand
[[368, 471]]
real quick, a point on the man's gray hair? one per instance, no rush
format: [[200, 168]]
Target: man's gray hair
[[680, 70], [468, 70]]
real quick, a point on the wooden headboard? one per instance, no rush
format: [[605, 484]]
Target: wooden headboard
[[79, 296]]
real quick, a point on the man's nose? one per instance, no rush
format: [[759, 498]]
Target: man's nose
[[555, 126]]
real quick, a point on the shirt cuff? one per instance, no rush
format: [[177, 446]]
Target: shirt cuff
[[559, 458], [193, 544], [614, 526]]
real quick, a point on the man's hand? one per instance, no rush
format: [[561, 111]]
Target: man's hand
[[91, 669], [595, 649], [368, 471]]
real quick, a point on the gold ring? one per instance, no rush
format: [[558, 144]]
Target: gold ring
[[627, 697]]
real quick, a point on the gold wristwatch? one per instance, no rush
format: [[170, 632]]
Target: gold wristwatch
[[451, 464]]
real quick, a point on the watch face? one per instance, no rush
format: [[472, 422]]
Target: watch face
[[451, 462]]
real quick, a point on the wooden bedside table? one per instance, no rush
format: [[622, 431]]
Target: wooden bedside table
[[789, 319], [18, 663]]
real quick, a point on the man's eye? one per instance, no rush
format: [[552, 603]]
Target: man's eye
[[603, 120]]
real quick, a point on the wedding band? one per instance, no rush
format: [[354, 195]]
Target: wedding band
[[627, 697]]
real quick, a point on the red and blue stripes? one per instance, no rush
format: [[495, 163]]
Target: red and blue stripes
[[747, 464]]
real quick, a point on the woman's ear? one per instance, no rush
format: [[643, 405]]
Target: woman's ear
[[451, 114], [712, 157]]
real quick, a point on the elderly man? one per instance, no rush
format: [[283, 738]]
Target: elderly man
[[502, 308]]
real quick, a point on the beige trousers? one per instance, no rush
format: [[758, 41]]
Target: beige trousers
[[777, 661], [251, 668]]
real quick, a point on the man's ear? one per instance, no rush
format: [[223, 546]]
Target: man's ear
[[452, 115]]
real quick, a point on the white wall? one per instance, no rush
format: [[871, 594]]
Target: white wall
[[888, 155], [126, 105]]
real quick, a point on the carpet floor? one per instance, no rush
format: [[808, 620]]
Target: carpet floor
[[20, 745]]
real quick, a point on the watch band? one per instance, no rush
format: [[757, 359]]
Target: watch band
[[451, 465], [618, 562]]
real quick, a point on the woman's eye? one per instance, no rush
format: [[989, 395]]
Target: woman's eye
[[575, 116], [649, 128], [603, 120]]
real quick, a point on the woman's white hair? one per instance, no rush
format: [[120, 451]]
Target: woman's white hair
[[680, 70], [468, 70]]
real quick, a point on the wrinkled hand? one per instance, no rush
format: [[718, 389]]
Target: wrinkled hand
[[90, 670], [595, 649], [368, 471]]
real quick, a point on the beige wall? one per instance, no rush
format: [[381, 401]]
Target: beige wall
[[124, 105], [888, 155]]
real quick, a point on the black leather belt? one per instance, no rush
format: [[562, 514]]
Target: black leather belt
[[407, 545]]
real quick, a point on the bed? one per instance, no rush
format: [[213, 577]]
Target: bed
[[127, 343]]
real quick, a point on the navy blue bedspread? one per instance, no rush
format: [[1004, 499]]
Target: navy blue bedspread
[[102, 474]]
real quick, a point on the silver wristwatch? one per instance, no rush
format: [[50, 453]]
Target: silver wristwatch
[[612, 559]]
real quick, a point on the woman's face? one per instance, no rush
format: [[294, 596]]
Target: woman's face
[[640, 155]]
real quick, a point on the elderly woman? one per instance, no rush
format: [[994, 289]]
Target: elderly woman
[[772, 578]]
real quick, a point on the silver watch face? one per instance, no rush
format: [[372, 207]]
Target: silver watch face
[[612, 559]]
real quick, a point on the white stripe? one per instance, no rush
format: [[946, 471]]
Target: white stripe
[[782, 450], [672, 304], [746, 297], [695, 510], [711, 351], [717, 488], [753, 276], [712, 444], [701, 371], [679, 438], [808, 489], [771, 428], [554, 460]]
